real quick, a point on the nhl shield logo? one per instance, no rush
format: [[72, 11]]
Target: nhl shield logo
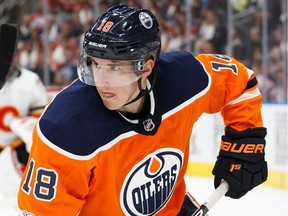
[[150, 184], [148, 125]]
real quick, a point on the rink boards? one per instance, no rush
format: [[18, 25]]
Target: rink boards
[[206, 139]]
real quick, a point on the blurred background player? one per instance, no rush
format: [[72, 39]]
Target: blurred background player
[[22, 99]]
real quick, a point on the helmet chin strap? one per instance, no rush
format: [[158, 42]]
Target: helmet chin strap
[[143, 92]]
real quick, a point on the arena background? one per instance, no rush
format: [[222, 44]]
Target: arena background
[[252, 31]]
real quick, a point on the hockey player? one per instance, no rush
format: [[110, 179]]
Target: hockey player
[[116, 141], [22, 99]]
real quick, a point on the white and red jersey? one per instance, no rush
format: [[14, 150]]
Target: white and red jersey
[[87, 160], [22, 96]]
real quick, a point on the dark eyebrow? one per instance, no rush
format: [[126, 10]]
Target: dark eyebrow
[[114, 62], [93, 60]]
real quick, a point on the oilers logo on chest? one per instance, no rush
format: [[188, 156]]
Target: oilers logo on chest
[[149, 185]]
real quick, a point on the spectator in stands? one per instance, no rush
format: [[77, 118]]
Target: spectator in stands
[[207, 29], [64, 61], [205, 32]]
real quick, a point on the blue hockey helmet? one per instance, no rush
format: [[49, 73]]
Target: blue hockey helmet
[[121, 33], [124, 33]]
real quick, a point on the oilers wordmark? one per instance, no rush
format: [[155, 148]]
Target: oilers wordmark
[[149, 185], [151, 195]]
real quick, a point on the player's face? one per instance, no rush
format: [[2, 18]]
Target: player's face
[[115, 81], [114, 98]]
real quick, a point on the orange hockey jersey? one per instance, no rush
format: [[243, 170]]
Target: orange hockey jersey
[[87, 160]]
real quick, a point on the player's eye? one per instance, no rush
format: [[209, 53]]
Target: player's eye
[[115, 67], [95, 64]]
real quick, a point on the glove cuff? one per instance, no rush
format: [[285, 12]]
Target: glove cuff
[[259, 132]]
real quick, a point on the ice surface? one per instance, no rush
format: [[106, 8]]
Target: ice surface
[[9, 181], [261, 201]]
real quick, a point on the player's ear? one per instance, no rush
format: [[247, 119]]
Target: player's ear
[[148, 67]]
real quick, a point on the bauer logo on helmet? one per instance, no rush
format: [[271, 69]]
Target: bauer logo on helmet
[[97, 44]]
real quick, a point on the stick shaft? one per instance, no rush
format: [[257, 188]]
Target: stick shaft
[[220, 191], [8, 46]]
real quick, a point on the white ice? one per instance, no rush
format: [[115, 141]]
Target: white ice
[[261, 201]]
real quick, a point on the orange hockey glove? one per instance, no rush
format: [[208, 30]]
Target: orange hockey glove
[[241, 161]]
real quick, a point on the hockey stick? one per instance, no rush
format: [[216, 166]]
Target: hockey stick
[[212, 199], [8, 46]]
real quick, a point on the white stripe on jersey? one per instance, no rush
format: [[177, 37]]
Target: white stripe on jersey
[[243, 97], [250, 73]]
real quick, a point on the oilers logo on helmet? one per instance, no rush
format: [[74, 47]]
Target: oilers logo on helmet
[[149, 185], [146, 20]]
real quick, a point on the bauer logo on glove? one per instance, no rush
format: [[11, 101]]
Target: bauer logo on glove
[[242, 148]]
